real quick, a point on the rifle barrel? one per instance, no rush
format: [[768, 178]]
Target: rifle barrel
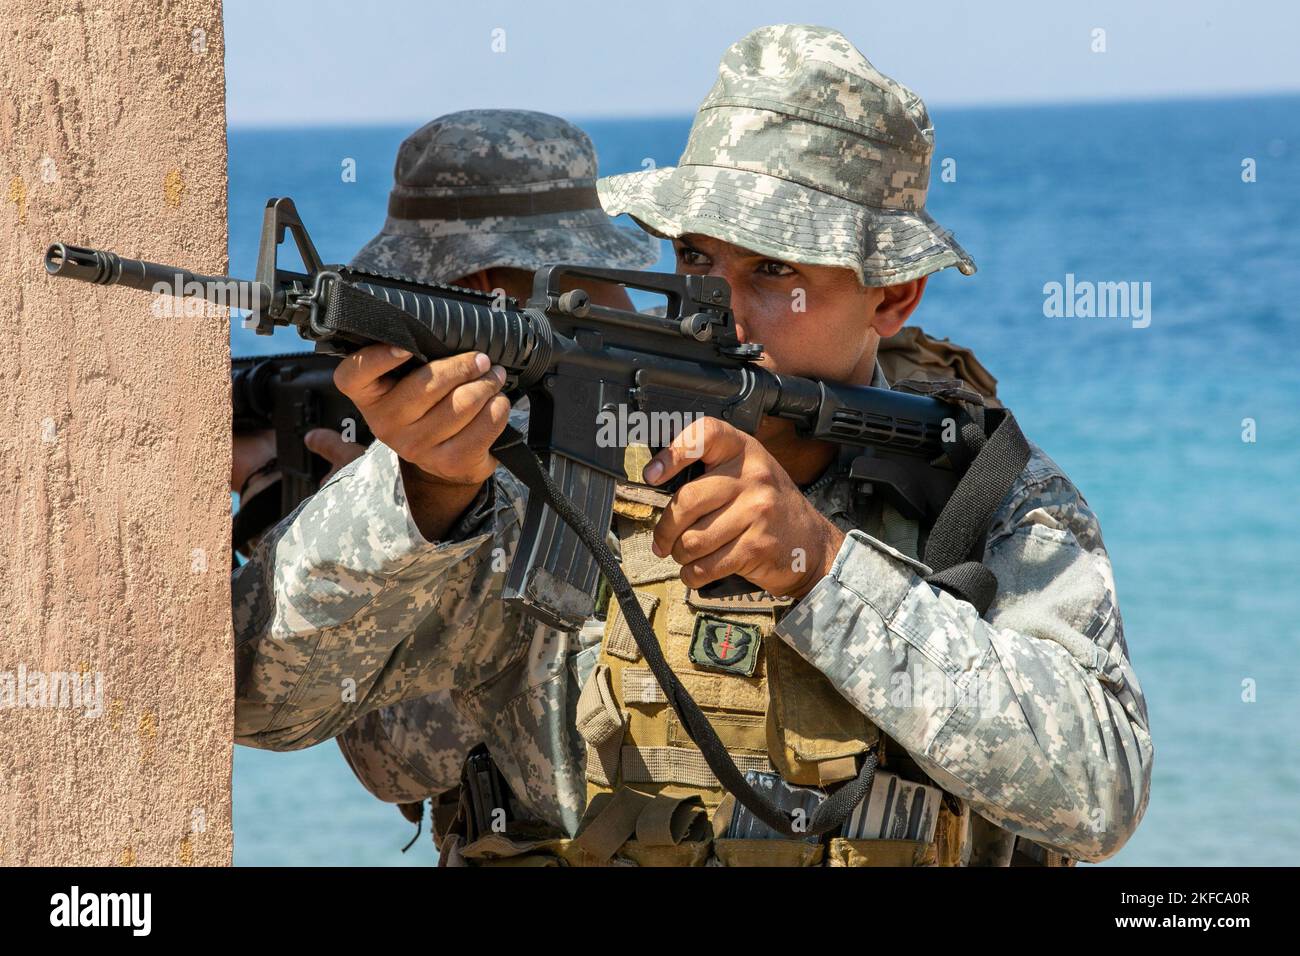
[[108, 268]]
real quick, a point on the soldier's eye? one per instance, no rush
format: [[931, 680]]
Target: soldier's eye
[[771, 267], [692, 257]]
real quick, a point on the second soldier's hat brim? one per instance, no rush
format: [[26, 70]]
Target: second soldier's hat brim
[[785, 220], [443, 250]]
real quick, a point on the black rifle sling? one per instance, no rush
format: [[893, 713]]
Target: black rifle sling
[[359, 314], [512, 451], [956, 541]]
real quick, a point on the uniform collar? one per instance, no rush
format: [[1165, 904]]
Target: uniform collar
[[878, 379]]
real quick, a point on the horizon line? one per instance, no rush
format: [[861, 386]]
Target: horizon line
[[946, 106]]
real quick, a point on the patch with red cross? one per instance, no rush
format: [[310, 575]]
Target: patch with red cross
[[725, 646]]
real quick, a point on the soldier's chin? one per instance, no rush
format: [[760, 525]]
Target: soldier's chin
[[774, 364], [789, 365]]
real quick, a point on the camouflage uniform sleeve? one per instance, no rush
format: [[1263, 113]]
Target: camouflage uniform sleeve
[[1034, 715], [346, 608], [411, 750]]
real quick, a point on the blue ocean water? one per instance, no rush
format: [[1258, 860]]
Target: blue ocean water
[[1201, 525]]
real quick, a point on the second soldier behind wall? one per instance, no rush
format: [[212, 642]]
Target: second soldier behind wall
[[481, 199]]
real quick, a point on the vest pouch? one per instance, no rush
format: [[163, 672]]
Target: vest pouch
[[686, 853], [498, 849], [1029, 853], [643, 828], [843, 852], [729, 852], [601, 724], [814, 734]]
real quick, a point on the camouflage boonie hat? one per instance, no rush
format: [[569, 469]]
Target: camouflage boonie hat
[[484, 189], [805, 152]]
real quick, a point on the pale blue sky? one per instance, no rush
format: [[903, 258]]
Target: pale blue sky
[[348, 61]]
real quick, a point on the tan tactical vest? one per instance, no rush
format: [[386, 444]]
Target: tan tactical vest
[[652, 799]]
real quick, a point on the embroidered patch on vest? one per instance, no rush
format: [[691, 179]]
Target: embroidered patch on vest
[[725, 646], [752, 601]]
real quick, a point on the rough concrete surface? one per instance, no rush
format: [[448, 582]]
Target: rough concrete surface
[[114, 441]]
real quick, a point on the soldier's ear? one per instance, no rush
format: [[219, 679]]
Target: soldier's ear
[[896, 304]]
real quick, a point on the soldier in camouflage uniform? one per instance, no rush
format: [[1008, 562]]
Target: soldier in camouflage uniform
[[481, 199], [373, 613]]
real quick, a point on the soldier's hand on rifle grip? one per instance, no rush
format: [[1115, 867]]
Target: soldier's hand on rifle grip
[[441, 419], [744, 516]]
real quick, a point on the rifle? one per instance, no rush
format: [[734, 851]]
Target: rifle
[[574, 360], [289, 394]]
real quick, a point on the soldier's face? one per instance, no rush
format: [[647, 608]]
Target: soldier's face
[[817, 321]]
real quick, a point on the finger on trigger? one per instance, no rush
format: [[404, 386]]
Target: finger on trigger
[[331, 446]]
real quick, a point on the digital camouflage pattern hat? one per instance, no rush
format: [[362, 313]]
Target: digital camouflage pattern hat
[[805, 152], [482, 189]]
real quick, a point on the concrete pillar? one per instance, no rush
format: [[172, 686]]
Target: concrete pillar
[[114, 441]]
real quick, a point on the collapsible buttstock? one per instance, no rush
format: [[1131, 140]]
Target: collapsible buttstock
[[918, 493]]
